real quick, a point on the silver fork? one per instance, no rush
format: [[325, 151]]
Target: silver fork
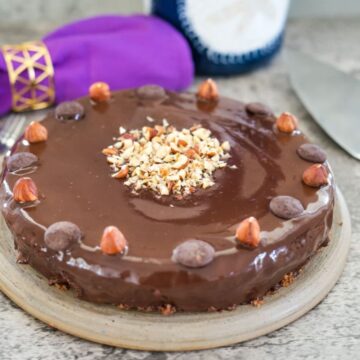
[[13, 125]]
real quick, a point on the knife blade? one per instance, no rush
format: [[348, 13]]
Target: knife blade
[[331, 97]]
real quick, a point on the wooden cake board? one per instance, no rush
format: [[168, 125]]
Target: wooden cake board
[[179, 332]]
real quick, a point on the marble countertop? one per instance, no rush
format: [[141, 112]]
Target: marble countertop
[[329, 331]]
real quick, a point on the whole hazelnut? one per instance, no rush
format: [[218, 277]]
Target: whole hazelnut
[[25, 190], [248, 232], [113, 241], [100, 92], [208, 91], [35, 132], [316, 175], [286, 123]]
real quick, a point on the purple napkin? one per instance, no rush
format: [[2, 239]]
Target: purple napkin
[[125, 52]]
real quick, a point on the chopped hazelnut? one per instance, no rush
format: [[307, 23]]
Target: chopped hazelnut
[[166, 160]]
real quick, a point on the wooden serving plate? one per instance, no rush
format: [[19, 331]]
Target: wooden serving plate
[[179, 332]]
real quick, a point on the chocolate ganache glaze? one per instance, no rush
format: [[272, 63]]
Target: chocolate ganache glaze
[[75, 185]]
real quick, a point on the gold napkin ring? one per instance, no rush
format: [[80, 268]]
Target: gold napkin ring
[[31, 75]]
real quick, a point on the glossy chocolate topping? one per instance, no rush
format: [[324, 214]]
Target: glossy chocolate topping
[[75, 185]]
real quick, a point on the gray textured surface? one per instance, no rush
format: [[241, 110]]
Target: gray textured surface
[[58, 12], [332, 329]]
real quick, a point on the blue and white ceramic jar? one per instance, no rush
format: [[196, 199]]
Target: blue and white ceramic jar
[[227, 36]]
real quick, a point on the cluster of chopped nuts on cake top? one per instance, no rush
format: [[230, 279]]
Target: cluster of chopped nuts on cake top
[[166, 160]]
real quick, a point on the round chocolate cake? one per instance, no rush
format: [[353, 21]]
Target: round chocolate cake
[[155, 200]]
